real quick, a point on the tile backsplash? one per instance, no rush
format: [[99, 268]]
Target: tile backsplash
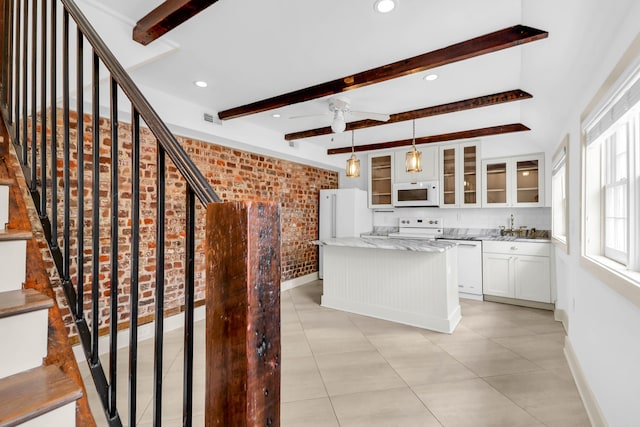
[[539, 218]]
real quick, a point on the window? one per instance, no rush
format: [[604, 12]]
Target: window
[[611, 182], [616, 195], [560, 195]]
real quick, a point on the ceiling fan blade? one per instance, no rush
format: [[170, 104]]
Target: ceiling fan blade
[[371, 116]]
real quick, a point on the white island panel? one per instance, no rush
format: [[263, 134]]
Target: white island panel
[[412, 287]]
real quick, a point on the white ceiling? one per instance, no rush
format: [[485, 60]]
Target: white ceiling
[[248, 50]]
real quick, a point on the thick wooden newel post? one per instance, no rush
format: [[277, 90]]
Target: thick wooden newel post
[[243, 314]]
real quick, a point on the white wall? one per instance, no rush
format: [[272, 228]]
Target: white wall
[[604, 327]]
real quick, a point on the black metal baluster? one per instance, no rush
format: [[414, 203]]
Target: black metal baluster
[[17, 73], [34, 96], [43, 113], [135, 251], [159, 309], [10, 72], [80, 177], [25, 43], [7, 65], [4, 64], [66, 276], [54, 134], [189, 296], [95, 234], [113, 326]]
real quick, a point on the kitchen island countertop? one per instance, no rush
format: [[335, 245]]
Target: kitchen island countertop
[[415, 245]]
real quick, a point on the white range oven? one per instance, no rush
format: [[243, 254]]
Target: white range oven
[[418, 228]]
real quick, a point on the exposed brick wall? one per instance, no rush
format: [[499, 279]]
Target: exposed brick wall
[[234, 174]]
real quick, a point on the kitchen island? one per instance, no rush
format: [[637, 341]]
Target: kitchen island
[[413, 282]]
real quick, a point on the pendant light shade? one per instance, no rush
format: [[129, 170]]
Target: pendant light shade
[[353, 163], [413, 162]]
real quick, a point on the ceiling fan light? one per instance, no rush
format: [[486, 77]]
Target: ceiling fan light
[[413, 162], [353, 166], [385, 6], [338, 125]]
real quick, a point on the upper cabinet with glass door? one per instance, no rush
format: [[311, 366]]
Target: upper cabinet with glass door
[[380, 180], [513, 181], [460, 178]]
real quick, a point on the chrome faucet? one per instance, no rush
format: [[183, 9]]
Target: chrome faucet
[[508, 231]]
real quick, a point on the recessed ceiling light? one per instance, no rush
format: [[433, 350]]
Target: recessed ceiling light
[[385, 6], [275, 115], [431, 77], [200, 83]]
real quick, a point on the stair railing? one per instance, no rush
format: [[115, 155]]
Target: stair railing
[[30, 99]]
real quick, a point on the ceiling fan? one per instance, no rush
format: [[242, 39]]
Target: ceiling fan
[[339, 107]]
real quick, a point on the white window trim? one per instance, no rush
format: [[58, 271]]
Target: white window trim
[[562, 151], [623, 281]]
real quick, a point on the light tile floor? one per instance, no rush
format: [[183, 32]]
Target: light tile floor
[[503, 366]]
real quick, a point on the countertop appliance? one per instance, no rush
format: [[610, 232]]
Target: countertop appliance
[[421, 193], [418, 228], [343, 213]]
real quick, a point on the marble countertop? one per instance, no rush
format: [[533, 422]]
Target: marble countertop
[[541, 236], [395, 244]]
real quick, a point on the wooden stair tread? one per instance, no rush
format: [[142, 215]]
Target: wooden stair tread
[[22, 301], [6, 181], [29, 394], [8, 235]]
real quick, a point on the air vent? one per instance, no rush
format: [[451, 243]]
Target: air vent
[[208, 118]]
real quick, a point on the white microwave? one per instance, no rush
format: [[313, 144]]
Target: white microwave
[[421, 193]]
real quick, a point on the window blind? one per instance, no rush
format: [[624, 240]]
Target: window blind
[[611, 113]]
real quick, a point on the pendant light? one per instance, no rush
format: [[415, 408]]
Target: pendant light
[[413, 163], [353, 164]]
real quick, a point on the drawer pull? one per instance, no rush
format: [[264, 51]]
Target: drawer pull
[[514, 248]]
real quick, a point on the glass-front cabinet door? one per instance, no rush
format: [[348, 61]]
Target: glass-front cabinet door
[[460, 178], [470, 172], [449, 176], [513, 181], [527, 181], [496, 190], [380, 177]]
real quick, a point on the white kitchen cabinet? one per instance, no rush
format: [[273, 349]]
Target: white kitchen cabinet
[[469, 268], [518, 270], [460, 175], [513, 181], [430, 165], [381, 167]]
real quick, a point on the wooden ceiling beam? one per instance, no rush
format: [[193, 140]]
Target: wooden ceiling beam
[[472, 133], [452, 107], [492, 42], [166, 17]]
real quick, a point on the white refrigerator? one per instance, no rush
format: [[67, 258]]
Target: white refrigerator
[[343, 213]]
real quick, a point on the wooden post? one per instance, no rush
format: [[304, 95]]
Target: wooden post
[[243, 314]]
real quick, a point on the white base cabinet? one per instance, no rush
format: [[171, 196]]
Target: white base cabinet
[[518, 270]]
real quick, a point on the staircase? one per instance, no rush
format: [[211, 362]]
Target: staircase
[[34, 390]]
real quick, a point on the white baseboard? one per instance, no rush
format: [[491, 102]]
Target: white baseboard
[[560, 315], [298, 281], [145, 332], [470, 296], [588, 398]]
